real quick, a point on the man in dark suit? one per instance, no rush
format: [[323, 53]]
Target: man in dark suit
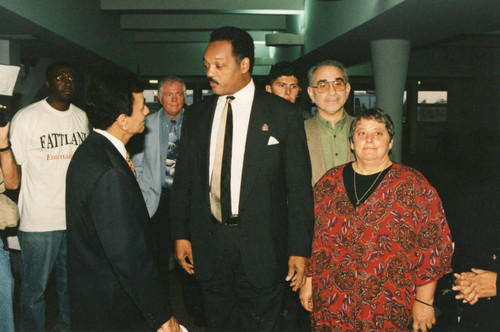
[[244, 233], [113, 283]]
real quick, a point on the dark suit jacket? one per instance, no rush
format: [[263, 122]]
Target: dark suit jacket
[[474, 216], [113, 283], [316, 147], [276, 204]]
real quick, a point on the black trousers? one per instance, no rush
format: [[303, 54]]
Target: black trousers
[[230, 301], [160, 223]]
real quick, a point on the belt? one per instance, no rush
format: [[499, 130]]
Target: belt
[[231, 221]]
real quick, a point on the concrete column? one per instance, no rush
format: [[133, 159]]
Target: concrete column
[[390, 66]]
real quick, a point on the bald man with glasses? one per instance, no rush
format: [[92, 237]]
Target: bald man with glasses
[[327, 132]]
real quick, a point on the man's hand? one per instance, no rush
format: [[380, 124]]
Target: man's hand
[[466, 288], [423, 317], [475, 285], [297, 267], [184, 255], [4, 136], [305, 295], [486, 282], [170, 326], [10, 170]]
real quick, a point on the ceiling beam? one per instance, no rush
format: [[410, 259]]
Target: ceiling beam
[[203, 22], [221, 6], [284, 39], [186, 36]]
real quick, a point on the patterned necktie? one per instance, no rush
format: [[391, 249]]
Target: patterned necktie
[[130, 164], [220, 185], [173, 142]]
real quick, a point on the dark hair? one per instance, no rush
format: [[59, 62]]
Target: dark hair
[[110, 96], [282, 68], [50, 69], [376, 114], [241, 42]]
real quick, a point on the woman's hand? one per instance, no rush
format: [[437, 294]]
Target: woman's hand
[[423, 317], [305, 295]]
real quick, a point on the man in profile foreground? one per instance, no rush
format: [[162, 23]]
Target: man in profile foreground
[[113, 282]]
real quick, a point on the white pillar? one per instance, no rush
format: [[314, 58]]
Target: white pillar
[[390, 66]]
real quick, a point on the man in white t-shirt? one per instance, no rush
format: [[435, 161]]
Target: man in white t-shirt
[[44, 136]]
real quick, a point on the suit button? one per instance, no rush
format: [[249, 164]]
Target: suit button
[[210, 233]]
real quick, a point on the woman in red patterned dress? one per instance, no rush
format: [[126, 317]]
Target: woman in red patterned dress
[[381, 240]]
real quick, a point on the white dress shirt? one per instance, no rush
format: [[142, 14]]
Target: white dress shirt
[[241, 107], [115, 141]]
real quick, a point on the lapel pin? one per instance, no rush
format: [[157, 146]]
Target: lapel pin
[[265, 127]]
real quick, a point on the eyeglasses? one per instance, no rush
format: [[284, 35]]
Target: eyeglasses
[[324, 86], [64, 79]]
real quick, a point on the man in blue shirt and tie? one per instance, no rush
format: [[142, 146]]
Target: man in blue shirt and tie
[[155, 162]]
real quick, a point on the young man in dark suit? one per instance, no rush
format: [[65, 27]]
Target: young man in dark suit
[[242, 224], [113, 282]]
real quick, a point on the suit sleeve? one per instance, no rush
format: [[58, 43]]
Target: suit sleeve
[[181, 189], [299, 191], [119, 218], [144, 176]]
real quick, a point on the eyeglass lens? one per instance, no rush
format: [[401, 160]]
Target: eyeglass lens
[[64, 78], [324, 86]]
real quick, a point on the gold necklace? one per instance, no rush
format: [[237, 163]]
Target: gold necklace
[[366, 192]]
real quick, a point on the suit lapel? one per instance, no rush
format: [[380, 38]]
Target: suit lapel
[[113, 152], [155, 150], [315, 149], [206, 121], [118, 161], [256, 143], [350, 154]]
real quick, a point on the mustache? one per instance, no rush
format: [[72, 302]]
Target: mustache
[[212, 80]]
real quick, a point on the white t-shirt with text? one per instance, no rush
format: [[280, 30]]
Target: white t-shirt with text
[[43, 142]]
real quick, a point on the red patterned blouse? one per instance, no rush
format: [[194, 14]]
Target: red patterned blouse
[[366, 262]]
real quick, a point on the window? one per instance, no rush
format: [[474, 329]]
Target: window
[[363, 100], [432, 106]]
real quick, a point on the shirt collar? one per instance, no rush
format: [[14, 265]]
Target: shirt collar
[[167, 119], [325, 123], [242, 96], [115, 141]]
